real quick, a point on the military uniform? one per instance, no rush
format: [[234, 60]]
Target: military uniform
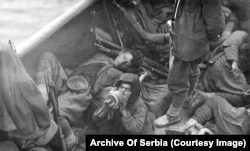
[[197, 23], [72, 104], [228, 119], [219, 77]]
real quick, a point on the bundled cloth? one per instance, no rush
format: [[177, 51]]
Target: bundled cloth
[[23, 111]]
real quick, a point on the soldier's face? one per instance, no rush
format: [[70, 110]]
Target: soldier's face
[[125, 90], [123, 60]]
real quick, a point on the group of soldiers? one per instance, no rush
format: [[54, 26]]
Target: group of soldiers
[[173, 55]]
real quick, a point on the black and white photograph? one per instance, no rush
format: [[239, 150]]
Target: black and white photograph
[[81, 75]]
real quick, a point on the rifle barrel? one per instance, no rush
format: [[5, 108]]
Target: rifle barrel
[[162, 73], [154, 64]]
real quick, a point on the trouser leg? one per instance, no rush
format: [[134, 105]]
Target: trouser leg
[[50, 68], [183, 79], [178, 83]]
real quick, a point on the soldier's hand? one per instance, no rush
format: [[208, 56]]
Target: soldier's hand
[[170, 26], [204, 131], [143, 75], [235, 69], [163, 29]]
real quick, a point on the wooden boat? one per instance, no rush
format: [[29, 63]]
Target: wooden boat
[[69, 37]]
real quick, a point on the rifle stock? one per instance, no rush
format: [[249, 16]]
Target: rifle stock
[[50, 86], [54, 103]]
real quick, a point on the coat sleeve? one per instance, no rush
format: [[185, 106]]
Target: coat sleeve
[[148, 37], [234, 99], [134, 121], [213, 17], [232, 44], [205, 111], [230, 18]]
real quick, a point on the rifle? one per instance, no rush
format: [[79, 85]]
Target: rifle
[[12, 45], [92, 30], [170, 25], [116, 30], [110, 22], [147, 63], [50, 86]]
